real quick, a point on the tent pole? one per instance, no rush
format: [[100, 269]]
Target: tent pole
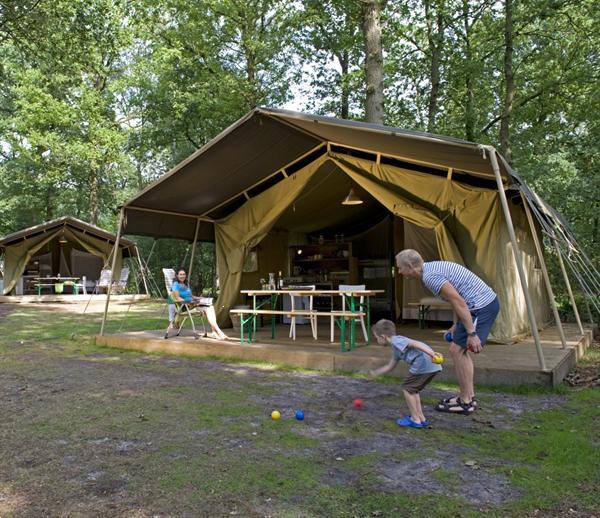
[[517, 254], [540, 254], [137, 253], [112, 269], [568, 285], [193, 250]]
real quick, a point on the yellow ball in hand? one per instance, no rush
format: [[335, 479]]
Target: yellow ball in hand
[[437, 358], [275, 415]]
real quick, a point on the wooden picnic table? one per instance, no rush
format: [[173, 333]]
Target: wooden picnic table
[[262, 298], [426, 304], [41, 282]]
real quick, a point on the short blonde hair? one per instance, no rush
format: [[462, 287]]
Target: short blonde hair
[[384, 327], [409, 257]]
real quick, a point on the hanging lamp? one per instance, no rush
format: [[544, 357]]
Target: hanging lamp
[[352, 198]]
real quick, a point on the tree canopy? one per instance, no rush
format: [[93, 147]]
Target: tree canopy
[[100, 97]]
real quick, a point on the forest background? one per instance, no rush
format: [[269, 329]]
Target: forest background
[[98, 98]]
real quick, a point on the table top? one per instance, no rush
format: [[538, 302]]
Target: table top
[[300, 291], [431, 301], [57, 279]]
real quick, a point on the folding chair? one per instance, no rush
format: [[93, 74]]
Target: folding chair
[[180, 309], [121, 284], [104, 281]]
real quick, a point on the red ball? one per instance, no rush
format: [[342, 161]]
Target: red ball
[[358, 403]]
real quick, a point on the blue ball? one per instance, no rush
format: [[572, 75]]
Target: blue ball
[[300, 415], [448, 336]]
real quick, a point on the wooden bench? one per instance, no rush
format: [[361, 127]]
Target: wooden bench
[[40, 285], [342, 316], [426, 304]]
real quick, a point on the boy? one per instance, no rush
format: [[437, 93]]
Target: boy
[[422, 369]]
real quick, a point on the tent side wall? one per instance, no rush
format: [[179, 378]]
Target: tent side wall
[[513, 313], [467, 223]]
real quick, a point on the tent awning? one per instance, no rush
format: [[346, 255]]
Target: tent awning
[[9, 240], [266, 146]]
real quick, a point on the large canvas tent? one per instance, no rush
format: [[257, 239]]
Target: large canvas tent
[[65, 246], [275, 169]]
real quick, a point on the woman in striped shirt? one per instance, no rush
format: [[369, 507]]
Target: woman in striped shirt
[[476, 306]]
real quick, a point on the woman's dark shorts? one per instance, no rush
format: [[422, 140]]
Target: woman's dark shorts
[[414, 383], [485, 319]]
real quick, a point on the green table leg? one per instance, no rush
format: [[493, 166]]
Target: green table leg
[[343, 333], [368, 320], [251, 321], [252, 329], [352, 341], [242, 323], [273, 303], [254, 308]]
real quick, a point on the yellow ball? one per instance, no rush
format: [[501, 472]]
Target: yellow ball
[[275, 415], [437, 358]]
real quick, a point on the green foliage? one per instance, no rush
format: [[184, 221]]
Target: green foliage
[[100, 97], [330, 49]]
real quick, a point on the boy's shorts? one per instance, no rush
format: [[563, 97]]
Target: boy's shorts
[[414, 383], [485, 319]]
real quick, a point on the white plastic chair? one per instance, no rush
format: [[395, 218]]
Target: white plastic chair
[[361, 302], [82, 285], [179, 308], [298, 303]]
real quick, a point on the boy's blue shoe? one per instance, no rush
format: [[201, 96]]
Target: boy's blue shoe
[[407, 421]]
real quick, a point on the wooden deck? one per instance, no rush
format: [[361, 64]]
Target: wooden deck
[[498, 364]]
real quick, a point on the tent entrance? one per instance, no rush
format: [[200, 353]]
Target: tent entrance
[[63, 257], [318, 240]]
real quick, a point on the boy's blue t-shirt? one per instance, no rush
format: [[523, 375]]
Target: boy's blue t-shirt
[[420, 363], [184, 291]]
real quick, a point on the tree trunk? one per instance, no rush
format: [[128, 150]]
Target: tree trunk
[[94, 196], [251, 76], [509, 85], [140, 176], [49, 204], [469, 94], [371, 29], [435, 38], [345, 100]]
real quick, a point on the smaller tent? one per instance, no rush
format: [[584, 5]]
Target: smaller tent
[[66, 246]]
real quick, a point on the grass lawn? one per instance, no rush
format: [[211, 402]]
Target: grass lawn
[[90, 431]]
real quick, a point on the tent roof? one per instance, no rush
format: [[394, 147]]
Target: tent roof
[[67, 221], [265, 146]]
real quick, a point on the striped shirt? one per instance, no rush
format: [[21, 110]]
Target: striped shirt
[[476, 293]]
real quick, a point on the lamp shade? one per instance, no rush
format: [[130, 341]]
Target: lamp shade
[[352, 199]]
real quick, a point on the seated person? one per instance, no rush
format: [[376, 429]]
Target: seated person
[[181, 292]]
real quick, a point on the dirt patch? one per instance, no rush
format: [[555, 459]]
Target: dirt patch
[[136, 435], [471, 481]]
